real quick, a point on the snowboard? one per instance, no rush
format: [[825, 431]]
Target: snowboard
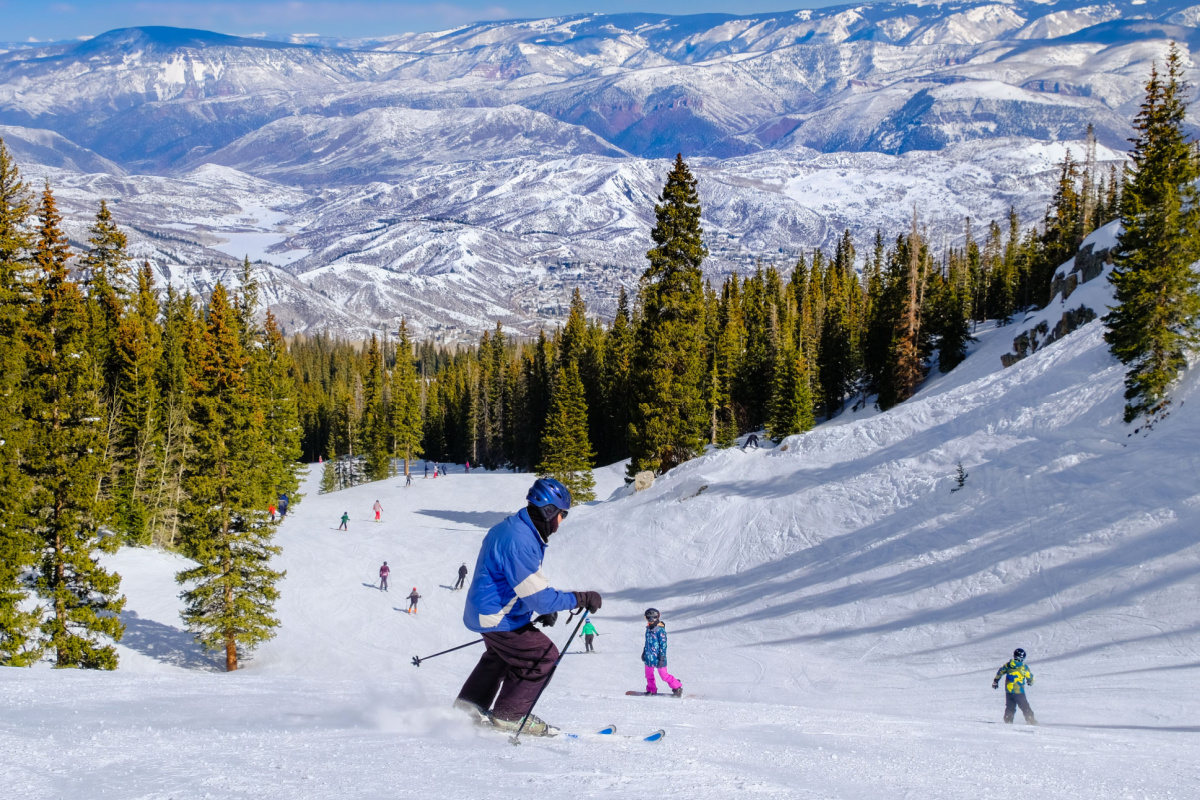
[[659, 694]]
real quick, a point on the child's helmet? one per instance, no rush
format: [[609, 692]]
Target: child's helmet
[[652, 615], [1019, 654]]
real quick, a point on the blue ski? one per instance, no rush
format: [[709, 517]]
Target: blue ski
[[610, 732]]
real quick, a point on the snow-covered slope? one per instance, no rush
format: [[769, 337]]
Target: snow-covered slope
[[838, 609]]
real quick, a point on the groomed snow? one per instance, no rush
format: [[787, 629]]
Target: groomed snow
[[837, 608]]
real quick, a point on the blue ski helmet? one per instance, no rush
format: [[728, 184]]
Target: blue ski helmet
[[549, 492]]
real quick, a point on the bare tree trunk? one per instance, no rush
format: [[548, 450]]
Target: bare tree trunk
[[114, 412]]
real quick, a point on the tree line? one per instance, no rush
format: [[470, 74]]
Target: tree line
[[130, 415], [685, 364], [137, 415]]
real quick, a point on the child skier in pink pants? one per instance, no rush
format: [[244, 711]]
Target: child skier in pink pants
[[654, 656]]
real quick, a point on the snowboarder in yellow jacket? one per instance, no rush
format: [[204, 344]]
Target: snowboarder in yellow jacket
[[1016, 677]]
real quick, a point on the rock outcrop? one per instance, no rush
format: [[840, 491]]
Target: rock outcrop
[[1089, 263]]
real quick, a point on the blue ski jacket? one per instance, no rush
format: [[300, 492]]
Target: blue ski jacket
[[508, 586], [654, 654]]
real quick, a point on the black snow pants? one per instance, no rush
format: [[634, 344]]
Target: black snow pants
[[516, 664], [1014, 699], [459, 585], [587, 641]]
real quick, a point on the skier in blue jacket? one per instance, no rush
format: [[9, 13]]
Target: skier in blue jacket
[[507, 590]]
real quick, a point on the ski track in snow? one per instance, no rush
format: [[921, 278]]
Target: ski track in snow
[[837, 608]]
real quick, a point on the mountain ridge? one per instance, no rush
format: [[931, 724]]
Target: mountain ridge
[[372, 158]]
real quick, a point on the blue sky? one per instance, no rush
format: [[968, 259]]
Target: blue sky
[[23, 20]]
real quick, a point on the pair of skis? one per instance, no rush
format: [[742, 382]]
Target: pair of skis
[[610, 732]]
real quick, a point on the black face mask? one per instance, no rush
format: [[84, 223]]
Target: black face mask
[[545, 520]]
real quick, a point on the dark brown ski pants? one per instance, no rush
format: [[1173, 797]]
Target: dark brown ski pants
[[516, 664]]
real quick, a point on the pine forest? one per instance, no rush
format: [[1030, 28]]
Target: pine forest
[[132, 414]]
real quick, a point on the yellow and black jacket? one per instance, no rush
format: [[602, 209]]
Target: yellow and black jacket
[[1019, 676]]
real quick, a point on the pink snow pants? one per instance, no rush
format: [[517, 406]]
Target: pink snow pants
[[652, 687]]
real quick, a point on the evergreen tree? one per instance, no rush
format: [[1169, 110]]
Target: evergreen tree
[[669, 366], [374, 423], [179, 347], [905, 367], [281, 427], [1154, 323], [791, 396], [329, 478], [836, 360], [566, 450], [138, 351], [407, 424], [618, 362], [230, 594], [62, 401], [727, 363], [574, 339], [18, 547], [955, 332], [107, 274]]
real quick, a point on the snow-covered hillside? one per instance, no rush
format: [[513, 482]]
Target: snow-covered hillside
[[838, 609], [482, 173]]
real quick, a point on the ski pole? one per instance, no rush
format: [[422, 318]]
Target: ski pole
[[516, 736], [416, 662]]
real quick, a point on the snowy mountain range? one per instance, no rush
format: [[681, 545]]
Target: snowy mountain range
[[481, 173]]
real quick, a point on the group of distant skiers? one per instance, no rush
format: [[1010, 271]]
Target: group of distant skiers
[[413, 596]]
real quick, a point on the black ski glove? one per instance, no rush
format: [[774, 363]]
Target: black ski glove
[[995, 684], [588, 600], [547, 620]]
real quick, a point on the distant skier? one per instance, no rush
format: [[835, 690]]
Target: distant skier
[[752, 439], [345, 521], [468, 468], [378, 509], [413, 597], [284, 502], [384, 571], [462, 576], [507, 590], [1017, 676], [589, 634], [408, 480], [271, 511], [426, 469], [654, 654]]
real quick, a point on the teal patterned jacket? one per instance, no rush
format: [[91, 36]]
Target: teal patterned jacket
[[654, 654]]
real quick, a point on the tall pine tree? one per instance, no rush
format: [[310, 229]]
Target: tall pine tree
[[229, 595], [407, 423], [64, 462], [18, 547], [668, 373], [1154, 323], [566, 450]]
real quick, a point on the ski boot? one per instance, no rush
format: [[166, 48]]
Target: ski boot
[[478, 715], [534, 727], [677, 692]]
